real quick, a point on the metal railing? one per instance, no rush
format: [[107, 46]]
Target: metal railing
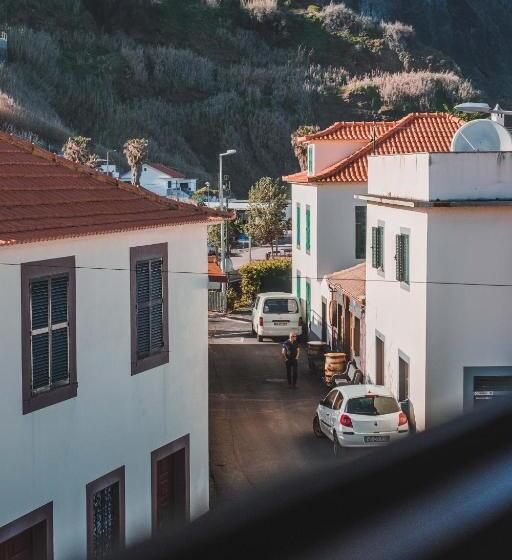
[[216, 301]]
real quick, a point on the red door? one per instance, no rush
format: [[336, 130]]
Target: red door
[[28, 545], [171, 492]]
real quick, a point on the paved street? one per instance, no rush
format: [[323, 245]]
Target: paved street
[[259, 429]]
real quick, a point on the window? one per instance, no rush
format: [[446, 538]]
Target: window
[[149, 307], [311, 157], [338, 401], [48, 326], [403, 379], [372, 405], [30, 537], [105, 515], [169, 185], [402, 258], [280, 306], [360, 232], [308, 230], [378, 247], [330, 398], [298, 287], [297, 222], [170, 484]]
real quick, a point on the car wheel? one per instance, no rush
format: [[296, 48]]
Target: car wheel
[[260, 338], [316, 427], [337, 448]]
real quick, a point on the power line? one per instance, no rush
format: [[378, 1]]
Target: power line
[[292, 277]]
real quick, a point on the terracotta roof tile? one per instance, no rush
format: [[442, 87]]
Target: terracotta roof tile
[[43, 197], [417, 132], [351, 130], [351, 281], [215, 273]]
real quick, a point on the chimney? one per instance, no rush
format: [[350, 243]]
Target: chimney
[[498, 117]]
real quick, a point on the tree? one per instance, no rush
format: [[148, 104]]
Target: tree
[[300, 149], [77, 149], [266, 218], [234, 230], [136, 152], [201, 195]]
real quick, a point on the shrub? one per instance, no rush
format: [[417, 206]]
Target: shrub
[[258, 275], [337, 18], [409, 91]]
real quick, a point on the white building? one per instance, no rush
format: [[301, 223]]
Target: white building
[[164, 180], [329, 223], [437, 323], [104, 400]]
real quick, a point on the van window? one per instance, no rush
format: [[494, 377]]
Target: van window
[[283, 305]]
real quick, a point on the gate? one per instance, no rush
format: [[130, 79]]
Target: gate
[[216, 301]]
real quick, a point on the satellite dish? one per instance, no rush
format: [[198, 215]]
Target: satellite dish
[[482, 135]]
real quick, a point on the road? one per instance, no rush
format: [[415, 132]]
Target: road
[[259, 429]]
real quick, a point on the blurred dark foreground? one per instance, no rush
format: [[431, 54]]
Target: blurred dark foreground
[[446, 493]]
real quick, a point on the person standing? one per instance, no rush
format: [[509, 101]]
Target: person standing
[[291, 353]]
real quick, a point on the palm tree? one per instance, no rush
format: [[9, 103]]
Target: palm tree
[[136, 152]]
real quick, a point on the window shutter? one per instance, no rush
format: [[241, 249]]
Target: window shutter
[[60, 353], [375, 247], [156, 320], [143, 318], [60, 336], [298, 225], [308, 229], [360, 219], [405, 258], [39, 304], [380, 245], [399, 258]]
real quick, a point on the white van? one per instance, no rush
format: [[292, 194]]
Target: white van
[[276, 314]]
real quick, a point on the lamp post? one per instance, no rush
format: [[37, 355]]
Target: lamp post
[[221, 207]]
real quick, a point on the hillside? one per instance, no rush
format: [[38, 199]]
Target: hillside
[[200, 76]]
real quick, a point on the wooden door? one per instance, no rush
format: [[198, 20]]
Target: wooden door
[[171, 494], [28, 545]]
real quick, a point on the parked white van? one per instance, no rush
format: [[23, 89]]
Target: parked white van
[[276, 314]]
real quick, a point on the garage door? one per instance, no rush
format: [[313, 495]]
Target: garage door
[[489, 388]]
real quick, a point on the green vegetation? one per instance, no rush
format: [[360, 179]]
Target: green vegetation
[[197, 77], [258, 276]]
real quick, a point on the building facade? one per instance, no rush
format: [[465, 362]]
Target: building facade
[[164, 181], [329, 220], [104, 351], [437, 307]]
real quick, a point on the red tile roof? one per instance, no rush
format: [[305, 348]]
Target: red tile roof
[[215, 273], [417, 132], [351, 130], [43, 197], [166, 170], [351, 281]]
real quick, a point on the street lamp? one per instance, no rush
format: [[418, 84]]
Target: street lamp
[[497, 114], [221, 206]]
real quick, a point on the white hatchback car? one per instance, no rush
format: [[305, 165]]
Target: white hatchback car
[[360, 416], [276, 314]]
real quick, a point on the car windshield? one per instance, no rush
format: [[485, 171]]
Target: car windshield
[[282, 305], [372, 405]]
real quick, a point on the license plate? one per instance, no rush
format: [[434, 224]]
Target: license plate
[[376, 439], [280, 323]]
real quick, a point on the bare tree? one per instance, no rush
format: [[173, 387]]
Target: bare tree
[[136, 152], [299, 148], [77, 149]]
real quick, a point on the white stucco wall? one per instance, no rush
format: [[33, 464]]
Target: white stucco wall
[[327, 153], [332, 236], [395, 311], [116, 419], [442, 176], [467, 326], [158, 182]]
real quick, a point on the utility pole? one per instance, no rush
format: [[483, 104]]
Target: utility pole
[[222, 224]]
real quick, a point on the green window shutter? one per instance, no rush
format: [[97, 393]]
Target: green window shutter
[[308, 229], [310, 159], [360, 232], [405, 258], [375, 241], [380, 246], [308, 299], [149, 307], [298, 285], [297, 220], [399, 258]]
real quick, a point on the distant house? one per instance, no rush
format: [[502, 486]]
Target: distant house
[[103, 339], [329, 224], [438, 306], [164, 180]]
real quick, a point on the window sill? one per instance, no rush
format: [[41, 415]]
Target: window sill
[[150, 362], [55, 396]]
